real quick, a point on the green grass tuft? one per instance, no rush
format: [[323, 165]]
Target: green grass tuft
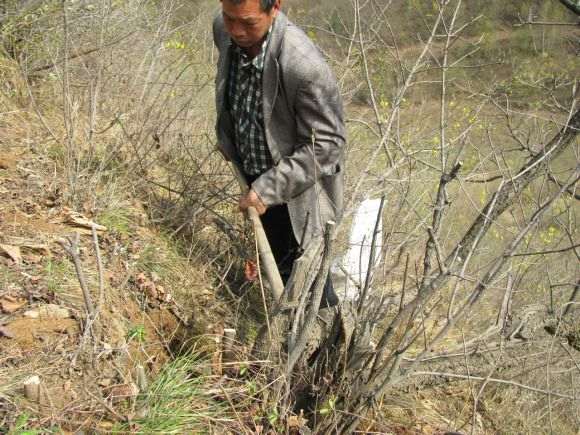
[[175, 403], [59, 274], [117, 220]]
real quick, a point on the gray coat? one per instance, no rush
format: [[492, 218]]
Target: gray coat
[[304, 127]]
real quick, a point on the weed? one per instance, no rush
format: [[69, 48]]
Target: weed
[[176, 403], [21, 424], [137, 333], [117, 220], [58, 274], [273, 416], [328, 407], [7, 275], [151, 259]]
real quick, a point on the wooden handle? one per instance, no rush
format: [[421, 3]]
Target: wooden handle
[[268, 261]]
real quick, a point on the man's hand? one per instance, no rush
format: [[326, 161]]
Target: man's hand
[[251, 199]]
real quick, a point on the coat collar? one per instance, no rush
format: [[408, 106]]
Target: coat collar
[[278, 30], [271, 75]]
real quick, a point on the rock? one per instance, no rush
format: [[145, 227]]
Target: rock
[[5, 332], [10, 304], [50, 311], [12, 252]]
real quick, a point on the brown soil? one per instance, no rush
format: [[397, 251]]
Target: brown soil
[[76, 370], [30, 334]]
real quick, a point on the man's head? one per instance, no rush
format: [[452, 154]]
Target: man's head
[[248, 21]]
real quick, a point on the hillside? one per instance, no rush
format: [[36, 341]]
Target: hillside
[[122, 252]]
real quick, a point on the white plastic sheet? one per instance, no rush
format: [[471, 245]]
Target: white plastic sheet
[[349, 273]]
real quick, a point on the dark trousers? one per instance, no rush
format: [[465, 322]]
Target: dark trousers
[[278, 228]]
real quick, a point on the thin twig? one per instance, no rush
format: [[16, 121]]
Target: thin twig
[[99, 267], [497, 381], [71, 246]]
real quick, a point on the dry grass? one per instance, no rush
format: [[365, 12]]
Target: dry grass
[[130, 146]]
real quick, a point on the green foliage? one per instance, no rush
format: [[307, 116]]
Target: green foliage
[[117, 220], [18, 31], [273, 416], [57, 153], [329, 407], [22, 427], [151, 259], [137, 333], [59, 274], [162, 258], [7, 275], [175, 403], [21, 424]]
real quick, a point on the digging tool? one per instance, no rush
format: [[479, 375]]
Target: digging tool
[[268, 261]]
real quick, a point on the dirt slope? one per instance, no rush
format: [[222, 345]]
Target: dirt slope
[[144, 313]]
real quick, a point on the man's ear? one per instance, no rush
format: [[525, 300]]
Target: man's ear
[[276, 8]]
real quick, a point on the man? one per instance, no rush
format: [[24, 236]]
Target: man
[[280, 120]]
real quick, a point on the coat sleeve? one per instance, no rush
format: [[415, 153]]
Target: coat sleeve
[[320, 139]]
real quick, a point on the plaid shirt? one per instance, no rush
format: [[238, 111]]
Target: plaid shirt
[[245, 105]]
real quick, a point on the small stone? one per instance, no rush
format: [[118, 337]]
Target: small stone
[[32, 314], [105, 382], [5, 332], [50, 311], [10, 304]]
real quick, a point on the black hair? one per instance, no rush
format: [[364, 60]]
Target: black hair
[[266, 5]]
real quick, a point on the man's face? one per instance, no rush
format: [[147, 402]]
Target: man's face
[[247, 23]]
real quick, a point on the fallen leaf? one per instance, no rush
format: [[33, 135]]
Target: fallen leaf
[[38, 248], [32, 259], [123, 391], [10, 304], [148, 287], [5, 332], [251, 270], [296, 422], [13, 252], [150, 290], [140, 278]]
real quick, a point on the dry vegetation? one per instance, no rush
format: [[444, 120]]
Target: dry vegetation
[[463, 117]]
